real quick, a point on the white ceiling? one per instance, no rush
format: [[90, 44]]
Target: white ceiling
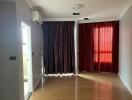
[[94, 9]]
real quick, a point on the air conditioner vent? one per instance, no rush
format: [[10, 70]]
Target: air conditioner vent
[[36, 17]]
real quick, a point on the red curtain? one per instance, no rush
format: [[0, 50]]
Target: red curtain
[[86, 48], [101, 39]]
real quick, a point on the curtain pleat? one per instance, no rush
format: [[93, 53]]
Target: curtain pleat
[[58, 46], [86, 48]]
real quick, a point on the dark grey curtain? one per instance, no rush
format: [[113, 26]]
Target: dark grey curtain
[[58, 47]]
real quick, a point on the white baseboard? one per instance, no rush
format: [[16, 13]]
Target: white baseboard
[[36, 85], [127, 86]]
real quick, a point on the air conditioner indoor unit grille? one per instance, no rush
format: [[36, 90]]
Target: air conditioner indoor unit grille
[[36, 17]]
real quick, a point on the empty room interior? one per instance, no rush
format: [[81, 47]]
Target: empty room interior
[[65, 50]]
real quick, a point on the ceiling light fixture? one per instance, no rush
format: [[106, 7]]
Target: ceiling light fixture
[[77, 9], [78, 6]]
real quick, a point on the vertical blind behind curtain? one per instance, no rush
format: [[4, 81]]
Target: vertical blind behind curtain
[[58, 46], [98, 46]]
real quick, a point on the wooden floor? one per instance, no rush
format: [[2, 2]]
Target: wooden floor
[[86, 86]]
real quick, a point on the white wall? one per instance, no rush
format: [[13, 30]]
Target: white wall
[[37, 49], [125, 49], [11, 77], [23, 14], [76, 46], [9, 71]]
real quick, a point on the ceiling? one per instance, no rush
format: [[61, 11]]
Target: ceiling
[[94, 9]]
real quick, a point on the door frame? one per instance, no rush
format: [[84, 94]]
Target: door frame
[[30, 71]]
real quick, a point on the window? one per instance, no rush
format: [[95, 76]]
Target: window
[[103, 44]]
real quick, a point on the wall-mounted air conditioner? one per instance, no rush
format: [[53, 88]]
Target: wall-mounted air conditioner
[[36, 17]]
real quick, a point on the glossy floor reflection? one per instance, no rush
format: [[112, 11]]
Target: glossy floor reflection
[[86, 86]]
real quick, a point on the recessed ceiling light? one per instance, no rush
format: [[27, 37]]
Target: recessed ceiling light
[[76, 14], [86, 18]]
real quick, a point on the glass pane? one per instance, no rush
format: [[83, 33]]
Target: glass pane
[[103, 44]]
